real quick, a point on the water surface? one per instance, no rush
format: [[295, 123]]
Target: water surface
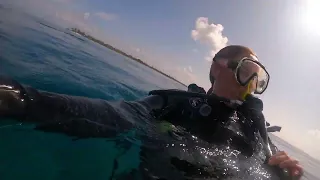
[[47, 57]]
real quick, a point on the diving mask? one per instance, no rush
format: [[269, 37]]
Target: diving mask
[[249, 71]]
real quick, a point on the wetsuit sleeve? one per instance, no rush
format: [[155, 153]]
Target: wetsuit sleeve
[[72, 115], [47, 106]]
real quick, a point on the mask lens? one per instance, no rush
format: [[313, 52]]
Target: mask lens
[[263, 80], [251, 70]]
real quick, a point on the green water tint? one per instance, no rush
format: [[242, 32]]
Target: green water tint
[[30, 154], [164, 126]]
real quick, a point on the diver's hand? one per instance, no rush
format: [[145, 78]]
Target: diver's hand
[[11, 97], [282, 159]]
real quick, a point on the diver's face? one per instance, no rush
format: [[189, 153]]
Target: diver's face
[[226, 77]]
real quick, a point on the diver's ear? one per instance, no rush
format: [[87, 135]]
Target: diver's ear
[[221, 62]]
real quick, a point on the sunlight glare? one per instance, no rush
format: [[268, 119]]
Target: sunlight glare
[[311, 16]]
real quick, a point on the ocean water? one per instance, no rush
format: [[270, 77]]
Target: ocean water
[[48, 57]]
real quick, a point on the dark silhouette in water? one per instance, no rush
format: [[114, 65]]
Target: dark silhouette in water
[[204, 138]]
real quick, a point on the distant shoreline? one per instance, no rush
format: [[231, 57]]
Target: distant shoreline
[[75, 30]]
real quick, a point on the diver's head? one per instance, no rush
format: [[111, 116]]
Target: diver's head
[[235, 72]]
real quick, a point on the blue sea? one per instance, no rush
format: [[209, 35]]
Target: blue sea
[[39, 53]]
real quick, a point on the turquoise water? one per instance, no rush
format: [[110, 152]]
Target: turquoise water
[[50, 58], [53, 60]]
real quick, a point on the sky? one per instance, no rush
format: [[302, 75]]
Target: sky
[[180, 37]]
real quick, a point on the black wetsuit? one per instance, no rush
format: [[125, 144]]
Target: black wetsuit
[[204, 131]]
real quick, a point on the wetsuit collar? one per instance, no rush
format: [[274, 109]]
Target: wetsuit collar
[[229, 102]]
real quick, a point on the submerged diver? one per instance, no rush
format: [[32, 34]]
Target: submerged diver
[[229, 114]]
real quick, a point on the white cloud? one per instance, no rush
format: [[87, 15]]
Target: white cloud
[[209, 34], [315, 133], [106, 16]]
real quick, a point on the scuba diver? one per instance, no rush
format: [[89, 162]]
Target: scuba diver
[[234, 74], [201, 131]]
